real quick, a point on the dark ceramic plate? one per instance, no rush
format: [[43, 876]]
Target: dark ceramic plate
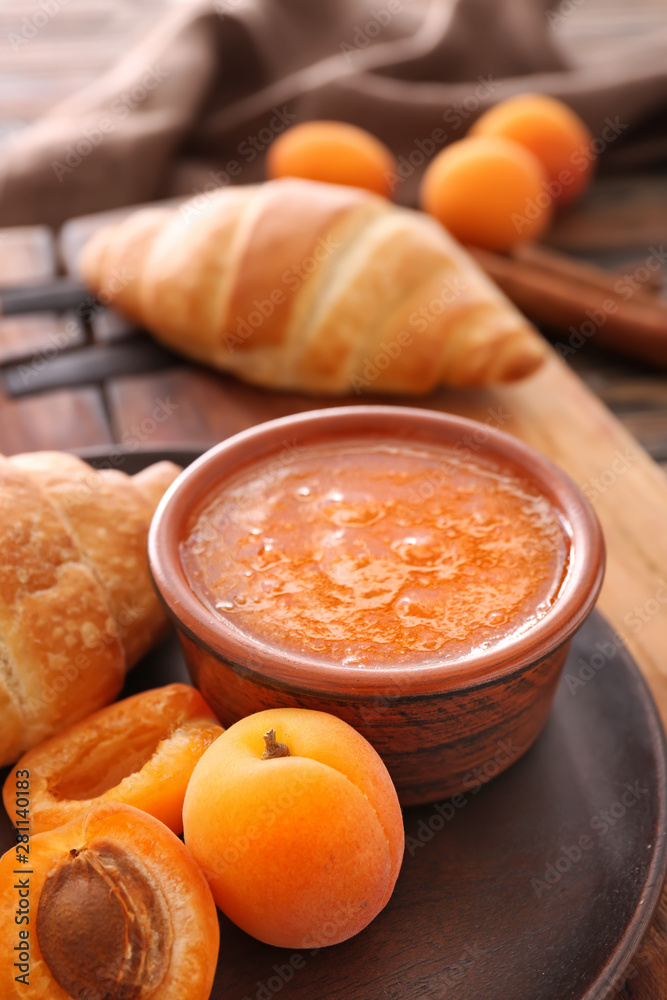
[[538, 885]]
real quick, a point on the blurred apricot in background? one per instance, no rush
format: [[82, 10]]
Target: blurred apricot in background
[[487, 191], [553, 132], [334, 152]]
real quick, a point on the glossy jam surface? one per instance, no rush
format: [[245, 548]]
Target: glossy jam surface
[[376, 552]]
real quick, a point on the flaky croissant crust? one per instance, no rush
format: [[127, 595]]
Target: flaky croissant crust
[[313, 287], [77, 607]]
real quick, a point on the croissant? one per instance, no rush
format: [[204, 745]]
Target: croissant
[[319, 288], [77, 607]]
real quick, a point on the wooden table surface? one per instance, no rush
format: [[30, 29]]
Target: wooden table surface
[[603, 419]]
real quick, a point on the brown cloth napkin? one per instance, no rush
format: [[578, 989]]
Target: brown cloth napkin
[[197, 104]]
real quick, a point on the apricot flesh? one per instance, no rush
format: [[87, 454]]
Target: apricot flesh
[[333, 152], [487, 191], [141, 751], [300, 851], [553, 132], [117, 908]]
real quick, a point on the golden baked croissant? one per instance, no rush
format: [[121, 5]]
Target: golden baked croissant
[[316, 287], [77, 607]]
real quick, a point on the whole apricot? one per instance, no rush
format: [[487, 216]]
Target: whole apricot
[[487, 191], [554, 133], [296, 824], [110, 906], [334, 152]]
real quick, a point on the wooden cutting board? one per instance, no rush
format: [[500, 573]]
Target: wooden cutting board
[[172, 402]]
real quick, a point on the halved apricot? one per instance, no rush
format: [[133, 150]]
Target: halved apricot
[[140, 751], [295, 821], [111, 905]]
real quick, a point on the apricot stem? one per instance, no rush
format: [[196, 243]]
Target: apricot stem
[[273, 749]]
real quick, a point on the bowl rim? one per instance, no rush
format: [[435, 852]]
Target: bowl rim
[[246, 654]]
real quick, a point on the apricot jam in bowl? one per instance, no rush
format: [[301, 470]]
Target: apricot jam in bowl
[[417, 574]]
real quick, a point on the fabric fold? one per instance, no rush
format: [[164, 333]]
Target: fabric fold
[[207, 92]]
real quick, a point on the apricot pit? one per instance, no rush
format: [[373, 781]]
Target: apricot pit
[[127, 934], [117, 910]]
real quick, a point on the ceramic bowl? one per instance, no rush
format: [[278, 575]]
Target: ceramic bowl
[[442, 727]]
